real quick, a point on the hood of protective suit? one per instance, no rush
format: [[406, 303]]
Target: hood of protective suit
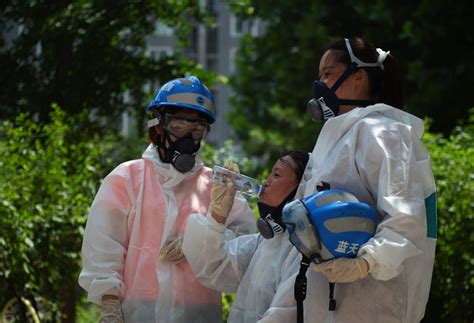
[[336, 127], [169, 174]]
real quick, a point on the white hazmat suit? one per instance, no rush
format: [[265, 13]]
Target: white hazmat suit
[[260, 270], [376, 154], [140, 204]]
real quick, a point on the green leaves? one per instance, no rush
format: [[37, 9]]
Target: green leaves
[[84, 55], [453, 160], [49, 177]]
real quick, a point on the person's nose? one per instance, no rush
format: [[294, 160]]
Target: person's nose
[[267, 182]]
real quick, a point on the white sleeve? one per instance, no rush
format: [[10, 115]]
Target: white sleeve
[[241, 219], [390, 162], [105, 239], [283, 306], [218, 260]]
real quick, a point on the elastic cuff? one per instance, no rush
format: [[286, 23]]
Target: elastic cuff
[[213, 224], [369, 260]]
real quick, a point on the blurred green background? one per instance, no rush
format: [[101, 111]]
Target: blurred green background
[[63, 80]]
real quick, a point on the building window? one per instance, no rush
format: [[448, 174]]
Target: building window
[[232, 56], [212, 7], [235, 26], [211, 41], [162, 29], [211, 63], [194, 41], [239, 27], [253, 27], [158, 52]]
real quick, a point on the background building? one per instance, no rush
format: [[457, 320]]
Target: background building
[[215, 49]]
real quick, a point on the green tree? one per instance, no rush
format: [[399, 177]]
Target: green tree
[[84, 55], [50, 173], [276, 70], [453, 277]]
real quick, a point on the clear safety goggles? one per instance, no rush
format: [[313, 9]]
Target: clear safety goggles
[[182, 126], [302, 232]]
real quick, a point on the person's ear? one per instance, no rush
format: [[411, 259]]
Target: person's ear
[[361, 76], [159, 129]]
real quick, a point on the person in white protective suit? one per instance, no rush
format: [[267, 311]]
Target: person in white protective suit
[[257, 269], [132, 262], [371, 148]]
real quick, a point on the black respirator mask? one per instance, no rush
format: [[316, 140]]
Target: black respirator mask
[[325, 104], [270, 221], [181, 153]]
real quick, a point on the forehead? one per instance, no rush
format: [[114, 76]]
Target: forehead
[[285, 164], [329, 60]]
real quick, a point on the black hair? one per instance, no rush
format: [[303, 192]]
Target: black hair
[[386, 86], [300, 158]]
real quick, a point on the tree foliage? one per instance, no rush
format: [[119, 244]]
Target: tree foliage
[[453, 278], [276, 70], [50, 173], [84, 55]]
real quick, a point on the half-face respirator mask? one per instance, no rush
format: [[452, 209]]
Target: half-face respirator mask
[[329, 224], [325, 104], [181, 152], [270, 222]]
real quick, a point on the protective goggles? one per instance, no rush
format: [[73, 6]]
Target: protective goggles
[[182, 126]]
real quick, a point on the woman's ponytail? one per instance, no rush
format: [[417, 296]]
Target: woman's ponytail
[[391, 84], [385, 86]]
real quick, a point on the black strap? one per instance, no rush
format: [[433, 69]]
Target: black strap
[[359, 103], [300, 289], [349, 70], [332, 301], [323, 187]]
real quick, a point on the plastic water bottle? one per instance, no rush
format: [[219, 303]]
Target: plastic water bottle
[[242, 183]]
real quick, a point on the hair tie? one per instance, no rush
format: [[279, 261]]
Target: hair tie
[[382, 56]]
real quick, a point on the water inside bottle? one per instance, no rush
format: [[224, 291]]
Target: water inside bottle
[[242, 183]]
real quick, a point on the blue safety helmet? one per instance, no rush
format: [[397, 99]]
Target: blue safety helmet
[[188, 93], [329, 224]]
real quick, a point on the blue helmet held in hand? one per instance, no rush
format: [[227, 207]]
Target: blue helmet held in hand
[[329, 224], [189, 93]]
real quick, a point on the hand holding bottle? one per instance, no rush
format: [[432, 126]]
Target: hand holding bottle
[[222, 195]]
